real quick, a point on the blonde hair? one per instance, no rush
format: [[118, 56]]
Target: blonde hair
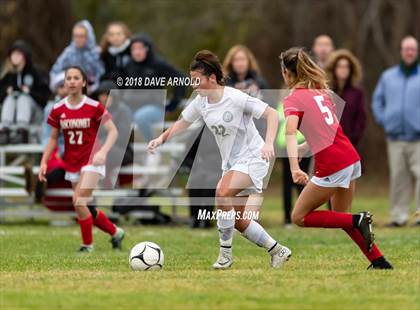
[[104, 40], [304, 72], [355, 75], [228, 61]]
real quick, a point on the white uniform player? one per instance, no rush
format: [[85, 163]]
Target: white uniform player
[[231, 122]]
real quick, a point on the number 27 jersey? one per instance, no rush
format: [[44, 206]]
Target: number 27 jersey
[[80, 124]]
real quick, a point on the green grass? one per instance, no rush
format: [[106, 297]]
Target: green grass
[[40, 270]]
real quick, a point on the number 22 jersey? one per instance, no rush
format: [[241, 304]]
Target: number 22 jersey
[[318, 122], [80, 124]]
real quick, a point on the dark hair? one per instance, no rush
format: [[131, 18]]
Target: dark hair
[[207, 63], [305, 72], [84, 77]]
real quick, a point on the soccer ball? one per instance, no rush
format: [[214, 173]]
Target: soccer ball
[[146, 256]]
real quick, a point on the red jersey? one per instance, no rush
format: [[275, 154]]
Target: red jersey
[[80, 124], [318, 122]]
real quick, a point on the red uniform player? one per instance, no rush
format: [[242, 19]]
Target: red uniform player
[[79, 118], [310, 109]]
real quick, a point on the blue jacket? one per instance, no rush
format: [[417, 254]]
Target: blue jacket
[[396, 104]]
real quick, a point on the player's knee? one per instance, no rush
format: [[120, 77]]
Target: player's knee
[[223, 193], [82, 197], [297, 219]]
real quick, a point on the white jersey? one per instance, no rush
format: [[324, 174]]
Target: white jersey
[[232, 125]]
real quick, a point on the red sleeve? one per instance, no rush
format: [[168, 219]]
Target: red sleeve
[[292, 107], [102, 114], [53, 119]]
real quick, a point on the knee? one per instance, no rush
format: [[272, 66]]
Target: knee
[[223, 193], [297, 219], [241, 225], [82, 197]]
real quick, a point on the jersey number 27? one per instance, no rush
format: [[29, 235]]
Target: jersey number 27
[[76, 137]]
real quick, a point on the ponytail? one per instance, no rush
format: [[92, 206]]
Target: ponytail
[[207, 63], [304, 71]]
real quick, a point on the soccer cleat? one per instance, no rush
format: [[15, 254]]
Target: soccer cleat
[[117, 239], [364, 225], [85, 249], [380, 263], [225, 259], [279, 255]]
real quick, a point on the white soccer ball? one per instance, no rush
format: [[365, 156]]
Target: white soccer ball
[[146, 256]]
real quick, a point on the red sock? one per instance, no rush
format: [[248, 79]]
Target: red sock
[[328, 219], [357, 237], [86, 230], [103, 223]]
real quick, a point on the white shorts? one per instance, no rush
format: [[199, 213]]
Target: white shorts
[[75, 176], [341, 178], [257, 169]]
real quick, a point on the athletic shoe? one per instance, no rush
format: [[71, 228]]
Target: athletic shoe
[[395, 224], [364, 225], [117, 239], [380, 263], [85, 249], [225, 259], [279, 255]]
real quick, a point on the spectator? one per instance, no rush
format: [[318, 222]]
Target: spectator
[[322, 47], [55, 165], [242, 70], [396, 107], [23, 92], [149, 104], [345, 72], [82, 52], [115, 50]]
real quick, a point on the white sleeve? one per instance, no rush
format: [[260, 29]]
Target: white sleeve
[[254, 106], [192, 111]]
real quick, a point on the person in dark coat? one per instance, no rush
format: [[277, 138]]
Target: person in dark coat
[[345, 73], [149, 105], [23, 92], [115, 50]]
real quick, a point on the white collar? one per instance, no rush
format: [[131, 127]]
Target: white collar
[[77, 106], [114, 50]]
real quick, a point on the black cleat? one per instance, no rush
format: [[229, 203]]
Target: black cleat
[[364, 225], [117, 239], [380, 263]]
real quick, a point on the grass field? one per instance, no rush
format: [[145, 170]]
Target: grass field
[[40, 270]]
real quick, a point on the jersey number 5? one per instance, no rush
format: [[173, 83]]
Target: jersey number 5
[[329, 119], [76, 137]]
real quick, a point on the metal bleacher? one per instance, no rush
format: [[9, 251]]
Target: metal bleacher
[[14, 195]]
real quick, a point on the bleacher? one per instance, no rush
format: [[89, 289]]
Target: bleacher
[[17, 202]]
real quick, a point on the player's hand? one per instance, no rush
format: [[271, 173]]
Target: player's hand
[[267, 151], [25, 89], [153, 144], [99, 159], [300, 177], [42, 172], [9, 90]]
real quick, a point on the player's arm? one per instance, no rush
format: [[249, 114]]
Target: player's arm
[[300, 177], [112, 134], [179, 126], [51, 145], [272, 117]]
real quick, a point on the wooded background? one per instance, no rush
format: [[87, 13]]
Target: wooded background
[[372, 29]]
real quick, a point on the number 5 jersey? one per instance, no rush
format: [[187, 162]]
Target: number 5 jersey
[[80, 124], [318, 122]]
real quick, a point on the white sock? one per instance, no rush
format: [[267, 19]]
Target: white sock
[[257, 234], [225, 226]]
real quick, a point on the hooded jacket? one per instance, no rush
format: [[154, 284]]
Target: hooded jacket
[[114, 60], [153, 66], [86, 58], [31, 76]]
